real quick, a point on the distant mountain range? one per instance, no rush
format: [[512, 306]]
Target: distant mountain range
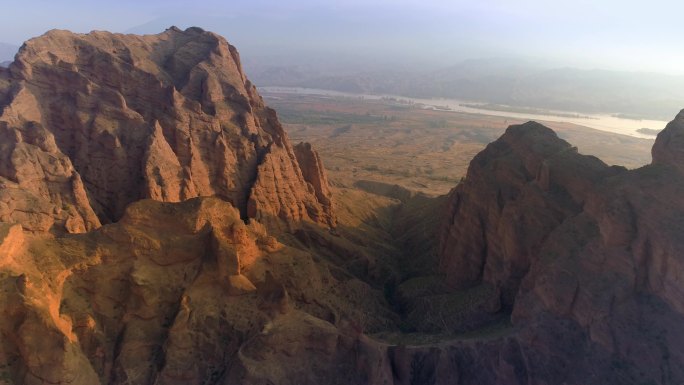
[[501, 81]]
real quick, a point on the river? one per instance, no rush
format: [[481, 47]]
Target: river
[[603, 122]]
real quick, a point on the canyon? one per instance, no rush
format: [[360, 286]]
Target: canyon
[[157, 226]]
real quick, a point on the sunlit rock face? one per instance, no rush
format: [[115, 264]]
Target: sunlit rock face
[[172, 293], [91, 123]]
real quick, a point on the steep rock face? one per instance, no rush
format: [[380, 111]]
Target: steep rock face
[[573, 244], [669, 145], [517, 191], [91, 123], [314, 175]]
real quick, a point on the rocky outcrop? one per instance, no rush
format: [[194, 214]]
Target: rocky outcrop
[[91, 123], [572, 244], [172, 293], [517, 191], [314, 175], [11, 242], [669, 145]]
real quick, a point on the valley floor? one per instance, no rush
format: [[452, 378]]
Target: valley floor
[[421, 150]]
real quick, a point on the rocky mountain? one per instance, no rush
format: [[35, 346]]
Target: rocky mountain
[[91, 123], [173, 294], [157, 227], [576, 247]]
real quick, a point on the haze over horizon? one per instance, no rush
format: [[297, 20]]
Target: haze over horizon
[[405, 34]]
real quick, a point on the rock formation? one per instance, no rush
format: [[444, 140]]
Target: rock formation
[[314, 174], [517, 191], [576, 247], [669, 146], [91, 123], [172, 293]]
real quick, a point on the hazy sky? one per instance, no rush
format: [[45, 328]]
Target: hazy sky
[[620, 34]]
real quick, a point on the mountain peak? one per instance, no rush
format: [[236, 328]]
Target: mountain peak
[[668, 148], [168, 116]]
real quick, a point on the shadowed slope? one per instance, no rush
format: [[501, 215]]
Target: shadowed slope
[[570, 243]]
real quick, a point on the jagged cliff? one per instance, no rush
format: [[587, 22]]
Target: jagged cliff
[[577, 247], [91, 123]]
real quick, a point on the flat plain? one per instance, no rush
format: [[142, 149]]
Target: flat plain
[[423, 150]]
